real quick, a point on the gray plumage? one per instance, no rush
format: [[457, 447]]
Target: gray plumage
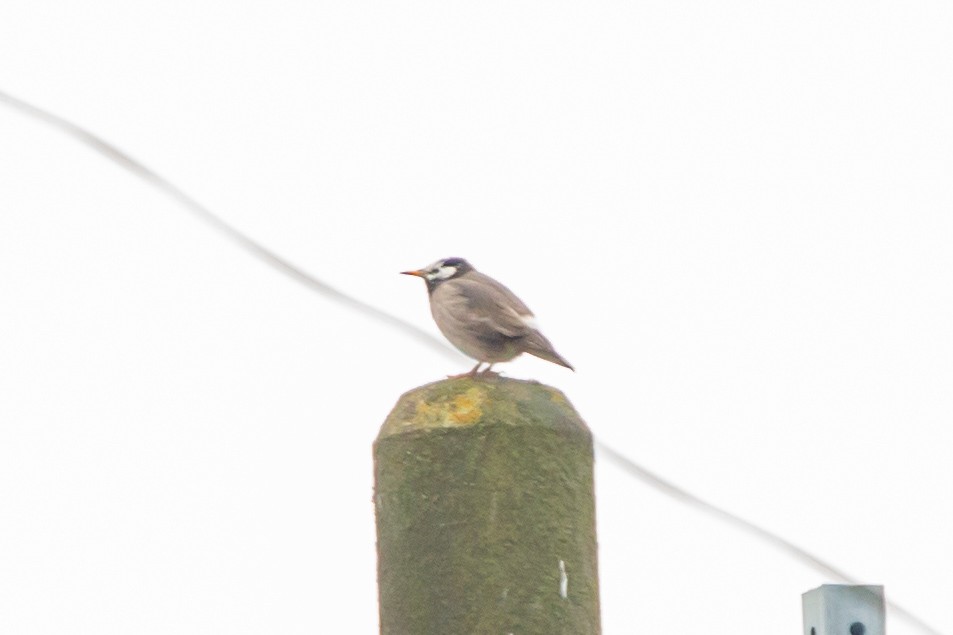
[[480, 316]]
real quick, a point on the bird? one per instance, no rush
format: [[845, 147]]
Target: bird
[[481, 317]]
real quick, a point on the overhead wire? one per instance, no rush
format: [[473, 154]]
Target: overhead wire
[[782, 544], [254, 247], [285, 266]]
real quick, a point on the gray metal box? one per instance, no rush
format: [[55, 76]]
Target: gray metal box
[[844, 609]]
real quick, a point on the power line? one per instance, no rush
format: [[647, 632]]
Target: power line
[[288, 268], [258, 250], [798, 553]]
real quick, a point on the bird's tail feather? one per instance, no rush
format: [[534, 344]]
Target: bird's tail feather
[[552, 356], [538, 346]]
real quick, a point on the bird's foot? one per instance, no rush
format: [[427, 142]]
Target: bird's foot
[[488, 373], [471, 373], [475, 373]]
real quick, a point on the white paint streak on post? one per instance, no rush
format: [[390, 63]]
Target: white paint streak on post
[[563, 580], [844, 609]]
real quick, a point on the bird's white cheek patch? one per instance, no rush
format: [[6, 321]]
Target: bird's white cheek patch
[[442, 273], [530, 321]]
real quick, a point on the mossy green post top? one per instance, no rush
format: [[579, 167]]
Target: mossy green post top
[[466, 401], [485, 512]]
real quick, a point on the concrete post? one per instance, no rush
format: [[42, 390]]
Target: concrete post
[[844, 609], [485, 512]]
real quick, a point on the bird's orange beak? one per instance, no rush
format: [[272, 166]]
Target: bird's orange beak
[[419, 273]]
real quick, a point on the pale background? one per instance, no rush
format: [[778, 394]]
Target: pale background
[[734, 218]]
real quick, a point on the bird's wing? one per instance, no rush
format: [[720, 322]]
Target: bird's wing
[[484, 306]]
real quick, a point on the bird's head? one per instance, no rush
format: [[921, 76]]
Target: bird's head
[[441, 270]]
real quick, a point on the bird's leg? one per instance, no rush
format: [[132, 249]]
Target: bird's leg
[[472, 372], [488, 372], [476, 372]]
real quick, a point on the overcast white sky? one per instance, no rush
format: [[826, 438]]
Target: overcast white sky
[[734, 218]]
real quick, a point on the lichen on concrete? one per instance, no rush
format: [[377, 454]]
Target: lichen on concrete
[[465, 401]]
